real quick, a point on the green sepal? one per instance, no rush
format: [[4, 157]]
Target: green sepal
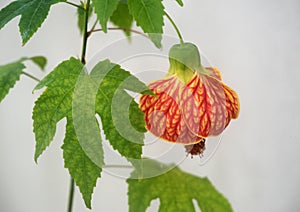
[[184, 61]]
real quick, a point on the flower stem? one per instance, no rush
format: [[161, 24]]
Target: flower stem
[[175, 27], [30, 76], [71, 195], [85, 35]]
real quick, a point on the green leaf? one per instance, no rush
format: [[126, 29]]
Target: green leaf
[[33, 13], [84, 172], [104, 10], [9, 75], [85, 123], [116, 108], [136, 117], [176, 190], [13, 10], [122, 18], [149, 15], [81, 16], [74, 94], [40, 61], [55, 103], [180, 2]]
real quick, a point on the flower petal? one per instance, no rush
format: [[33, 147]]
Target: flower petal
[[162, 114], [208, 105], [232, 102], [215, 72]]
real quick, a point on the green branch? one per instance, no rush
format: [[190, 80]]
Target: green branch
[[85, 34]]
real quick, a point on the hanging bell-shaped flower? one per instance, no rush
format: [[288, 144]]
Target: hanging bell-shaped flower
[[191, 103]]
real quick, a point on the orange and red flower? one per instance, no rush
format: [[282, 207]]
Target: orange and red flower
[[191, 102]]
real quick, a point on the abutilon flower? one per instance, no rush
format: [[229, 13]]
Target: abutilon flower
[[191, 103]]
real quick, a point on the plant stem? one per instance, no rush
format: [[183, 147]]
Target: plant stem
[[85, 35], [71, 195], [30, 76], [118, 28], [84, 45], [75, 5], [175, 27]]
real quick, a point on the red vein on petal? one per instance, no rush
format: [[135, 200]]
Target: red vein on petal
[[163, 116]]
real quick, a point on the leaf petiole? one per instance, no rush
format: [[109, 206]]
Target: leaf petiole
[[119, 28], [75, 5], [118, 166], [30, 76], [93, 28]]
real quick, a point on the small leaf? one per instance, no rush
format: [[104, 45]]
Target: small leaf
[[40, 61], [116, 109], [81, 16], [122, 18], [180, 2], [149, 15], [104, 10], [9, 75], [84, 172], [176, 190], [33, 13]]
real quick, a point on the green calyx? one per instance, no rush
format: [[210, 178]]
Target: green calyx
[[184, 61]]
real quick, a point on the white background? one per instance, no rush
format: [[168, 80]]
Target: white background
[[254, 43]]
